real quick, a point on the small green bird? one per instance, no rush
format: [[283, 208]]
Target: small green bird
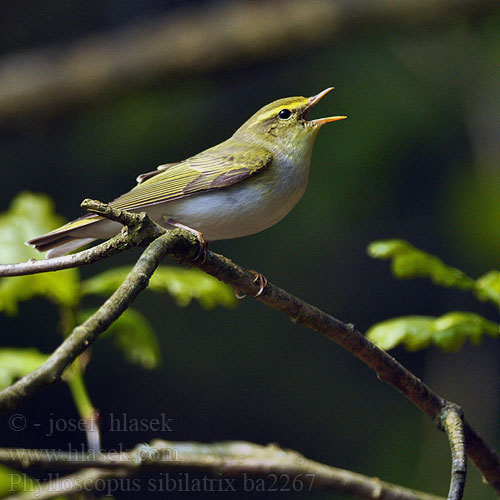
[[240, 187]]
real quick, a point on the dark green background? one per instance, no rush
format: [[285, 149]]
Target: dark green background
[[418, 158]]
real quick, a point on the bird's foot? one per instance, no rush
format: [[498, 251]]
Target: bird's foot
[[201, 256], [260, 279]]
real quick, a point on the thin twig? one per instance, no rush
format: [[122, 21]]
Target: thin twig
[[452, 422], [284, 470], [139, 230], [134, 221], [107, 249]]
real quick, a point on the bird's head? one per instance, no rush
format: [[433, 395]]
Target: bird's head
[[284, 124]]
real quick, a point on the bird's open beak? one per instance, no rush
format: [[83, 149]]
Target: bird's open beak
[[314, 100]]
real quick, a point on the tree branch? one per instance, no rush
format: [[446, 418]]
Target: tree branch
[[227, 459], [452, 421], [107, 249], [183, 246], [139, 223], [385, 366], [185, 41]]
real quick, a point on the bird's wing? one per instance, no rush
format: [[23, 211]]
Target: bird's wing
[[208, 170], [214, 168]]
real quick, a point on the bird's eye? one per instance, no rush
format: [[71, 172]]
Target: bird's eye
[[284, 114]]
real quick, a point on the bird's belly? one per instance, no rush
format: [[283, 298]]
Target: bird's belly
[[232, 212]]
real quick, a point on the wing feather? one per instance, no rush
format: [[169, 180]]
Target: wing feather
[[214, 168], [144, 177]]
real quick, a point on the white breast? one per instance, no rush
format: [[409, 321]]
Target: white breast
[[241, 209]]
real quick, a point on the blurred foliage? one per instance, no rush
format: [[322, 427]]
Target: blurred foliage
[[134, 336], [450, 331], [30, 215], [15, 363], [410, 262], [487, 287], [12, 480], [33, 214], [183, 285]]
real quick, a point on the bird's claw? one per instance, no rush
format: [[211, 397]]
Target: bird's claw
[[260, 279], [201, 256]]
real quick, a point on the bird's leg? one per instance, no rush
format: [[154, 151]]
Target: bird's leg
[[201, 257], [260, 279]]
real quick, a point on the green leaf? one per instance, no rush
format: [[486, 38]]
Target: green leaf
[[414, 332], [30, 215], [134, 335], [410, 262], [187, 284], [488, 286], [448, 332], [183, 285], [15, 363], [12, 480]]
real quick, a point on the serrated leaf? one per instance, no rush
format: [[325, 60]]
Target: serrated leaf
[[408, 261], [183, 285], [448, 332], [30, 215], [16, 363], [134, 336]]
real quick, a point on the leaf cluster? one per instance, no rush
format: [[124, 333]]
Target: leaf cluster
[[449, 331], [33, 214]]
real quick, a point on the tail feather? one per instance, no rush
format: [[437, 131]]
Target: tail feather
[[64, 240], [68, 246], [57, 245]]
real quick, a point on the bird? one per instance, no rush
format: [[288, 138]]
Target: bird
[[239, 187]]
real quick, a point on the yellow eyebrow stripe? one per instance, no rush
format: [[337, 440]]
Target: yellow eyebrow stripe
[[271, 110], [272, 113]]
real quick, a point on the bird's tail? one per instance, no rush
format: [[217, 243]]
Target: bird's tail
[[55, 246], [67, 238]]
